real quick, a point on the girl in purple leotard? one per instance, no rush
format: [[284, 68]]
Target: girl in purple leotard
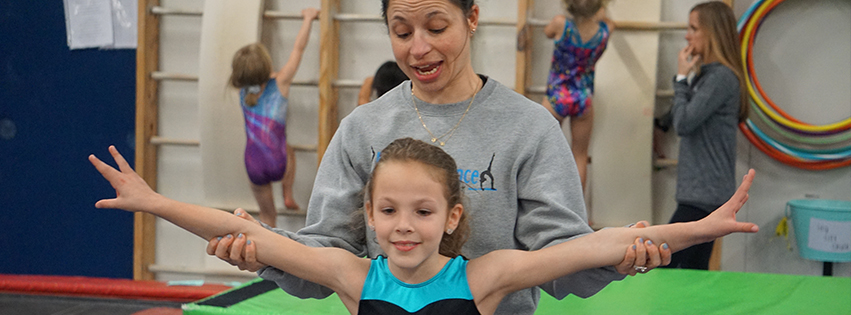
[[263, 98]]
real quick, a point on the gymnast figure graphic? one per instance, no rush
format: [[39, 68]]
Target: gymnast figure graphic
[[487, 172]]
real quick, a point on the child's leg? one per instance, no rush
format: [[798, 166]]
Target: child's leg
[[580, 133], [289, 179], [263, 194]]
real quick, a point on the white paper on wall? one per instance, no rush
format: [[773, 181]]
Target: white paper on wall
[[101, 23], [89, 23], [124, 23]]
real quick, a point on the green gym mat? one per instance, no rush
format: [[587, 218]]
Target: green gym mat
[[662, 291]]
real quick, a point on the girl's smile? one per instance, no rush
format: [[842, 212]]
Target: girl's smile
[[405, 246]]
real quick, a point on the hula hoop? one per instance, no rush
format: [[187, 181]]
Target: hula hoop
[[827, 141], [818, 155], [788, 160], [751, 23], [831, 135]]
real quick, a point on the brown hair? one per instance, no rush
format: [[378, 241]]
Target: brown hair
[[443, 169], [466, 7], [583, 9], [719, 24], [251, 65]]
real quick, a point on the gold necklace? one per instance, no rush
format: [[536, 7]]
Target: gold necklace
[[450, 132]]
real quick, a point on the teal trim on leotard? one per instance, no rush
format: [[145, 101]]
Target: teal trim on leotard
[[449, 285]]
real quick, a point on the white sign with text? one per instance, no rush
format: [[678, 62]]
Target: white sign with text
[[830, 236]]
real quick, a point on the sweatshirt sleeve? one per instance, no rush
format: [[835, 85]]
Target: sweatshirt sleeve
[[552, 210], [330, 215], [692, 107]]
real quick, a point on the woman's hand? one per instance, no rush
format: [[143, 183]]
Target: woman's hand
[[237, 251], [132, 192], [685, 60], [643, 255]]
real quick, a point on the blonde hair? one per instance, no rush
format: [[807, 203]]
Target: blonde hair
[[582, 9], [443, 168], [251, 65], [718, 22]]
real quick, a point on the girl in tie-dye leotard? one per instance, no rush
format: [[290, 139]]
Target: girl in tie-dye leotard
[[580, 41], [263, 98]]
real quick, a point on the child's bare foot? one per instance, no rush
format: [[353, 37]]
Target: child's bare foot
[[291, 205]]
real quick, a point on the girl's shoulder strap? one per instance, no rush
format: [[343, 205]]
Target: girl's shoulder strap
[[569, 25], [604, 27]]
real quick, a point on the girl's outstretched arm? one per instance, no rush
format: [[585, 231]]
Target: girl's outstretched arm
[[332, 267], [284, 77], [501, 272]]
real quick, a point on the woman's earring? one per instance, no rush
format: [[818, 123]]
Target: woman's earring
[[473, 32], [449, 231], [372, 228]]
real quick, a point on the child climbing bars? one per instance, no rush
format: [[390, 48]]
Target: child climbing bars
[[580, 41], [414, 205], [263, 98]]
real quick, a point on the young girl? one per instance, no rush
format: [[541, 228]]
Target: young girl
[[263, 97], [705, 114], [413, 202], [570, 85]]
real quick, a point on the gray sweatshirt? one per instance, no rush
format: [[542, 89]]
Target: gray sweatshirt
[[705, 115], [523, 187]]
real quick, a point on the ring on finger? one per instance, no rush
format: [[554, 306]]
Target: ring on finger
[[641, 269]]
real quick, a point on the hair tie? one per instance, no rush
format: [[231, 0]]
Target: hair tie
[[253, 89]]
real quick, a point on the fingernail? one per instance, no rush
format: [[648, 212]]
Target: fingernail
[[248, 242], [219, 238], [664, 245], [641, 240], [237, 212], [649, 242], [239, 236], [230, 236], [633, 246]]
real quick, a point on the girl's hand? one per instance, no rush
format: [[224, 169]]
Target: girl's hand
[[685, 61], [310, 14], [723, 221], [132, 192]]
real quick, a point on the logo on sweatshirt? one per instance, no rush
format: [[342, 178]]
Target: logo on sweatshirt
[[479, 180], [475, 179]]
